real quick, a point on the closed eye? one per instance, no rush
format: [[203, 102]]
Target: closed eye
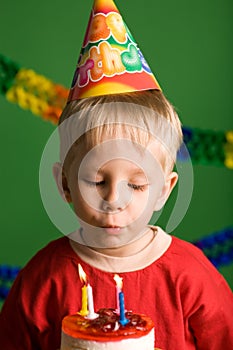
[[137, 187], [94, 183], [101, 183]]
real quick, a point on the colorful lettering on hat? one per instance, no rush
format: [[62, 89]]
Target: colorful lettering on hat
[[110, 60]]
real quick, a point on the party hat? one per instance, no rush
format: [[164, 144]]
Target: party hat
[[110, 61]]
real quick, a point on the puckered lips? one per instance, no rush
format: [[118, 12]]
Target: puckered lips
[[112, 229]]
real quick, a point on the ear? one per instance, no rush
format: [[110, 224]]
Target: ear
[[61, 181], [170, 183]]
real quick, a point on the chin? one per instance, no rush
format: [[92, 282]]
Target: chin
[[107, 242], [103, 240]]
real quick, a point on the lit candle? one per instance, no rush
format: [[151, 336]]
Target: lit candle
[[91, 314], [123, 320], [119, 284], [82, 275]]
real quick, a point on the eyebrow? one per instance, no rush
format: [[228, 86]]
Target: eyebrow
[[134, 172], [138, 172]]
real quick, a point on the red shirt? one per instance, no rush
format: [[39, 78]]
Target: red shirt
[[188, 299]]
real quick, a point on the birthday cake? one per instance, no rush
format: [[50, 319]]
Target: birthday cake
[[106, 332]]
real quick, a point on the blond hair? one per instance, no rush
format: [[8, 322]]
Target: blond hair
[[138, 116]]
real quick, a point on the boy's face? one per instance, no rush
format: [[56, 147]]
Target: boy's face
[[114, 188]]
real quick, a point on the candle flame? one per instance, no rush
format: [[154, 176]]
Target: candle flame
[[82, 275], [118, 281]]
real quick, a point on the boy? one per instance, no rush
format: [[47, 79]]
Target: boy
[[107, 174], [117, 156]]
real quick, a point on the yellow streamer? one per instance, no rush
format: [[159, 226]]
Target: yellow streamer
[[39, 94], [229, 136], [26, 100], [35, 83], [229, 161]]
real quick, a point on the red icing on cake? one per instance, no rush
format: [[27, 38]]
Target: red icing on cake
[[107, 327]]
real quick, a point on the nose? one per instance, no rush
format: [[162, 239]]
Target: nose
[[116, 197]]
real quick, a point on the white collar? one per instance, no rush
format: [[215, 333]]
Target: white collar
[[145, 257]]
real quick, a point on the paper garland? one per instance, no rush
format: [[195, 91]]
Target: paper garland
[[208, 147], [47, 99], [31, 90], [7, 276], [218, 247]]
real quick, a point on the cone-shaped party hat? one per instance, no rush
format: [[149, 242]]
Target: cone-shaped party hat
[[110, 61]]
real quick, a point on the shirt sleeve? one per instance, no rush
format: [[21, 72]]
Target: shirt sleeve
[[209, 307], [15, 332], [29, 319], [216, 332]]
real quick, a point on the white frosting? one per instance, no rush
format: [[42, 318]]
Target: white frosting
[[146, 342]]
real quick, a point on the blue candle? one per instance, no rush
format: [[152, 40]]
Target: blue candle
[[123, 320]]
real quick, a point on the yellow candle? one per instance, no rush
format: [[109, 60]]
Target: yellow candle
[[84, 311], [83, 277]]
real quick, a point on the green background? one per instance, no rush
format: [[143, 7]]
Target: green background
[[188, 45]]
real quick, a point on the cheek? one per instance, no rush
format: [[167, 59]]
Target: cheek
[[156, 190], [144, 203], [139, 203], [83, 210], [80, 205]]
